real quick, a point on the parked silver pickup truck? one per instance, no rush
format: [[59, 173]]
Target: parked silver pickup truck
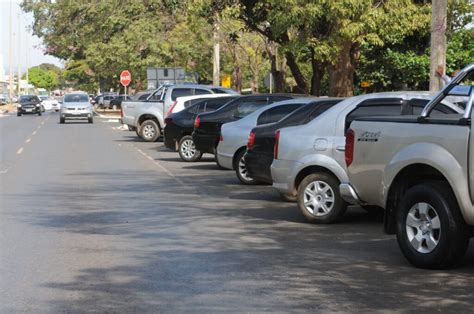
[[420, 169], [146, 117]]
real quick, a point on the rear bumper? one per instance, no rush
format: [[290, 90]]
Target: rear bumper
[[170, 142], [258, 166], [348, 193], [282, 175], [205, 143]]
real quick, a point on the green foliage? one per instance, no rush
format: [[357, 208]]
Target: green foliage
[[43, 76]]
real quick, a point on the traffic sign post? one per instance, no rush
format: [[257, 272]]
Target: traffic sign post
[[125, 79]]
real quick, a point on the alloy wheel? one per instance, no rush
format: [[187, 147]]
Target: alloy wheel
[[188, 149], [148, 131], [423, 227], [319, 198]]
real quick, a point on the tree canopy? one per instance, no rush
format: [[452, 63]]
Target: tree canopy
[[317, 47]]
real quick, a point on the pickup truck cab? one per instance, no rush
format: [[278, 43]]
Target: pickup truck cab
[[420, 169], [147, 117]]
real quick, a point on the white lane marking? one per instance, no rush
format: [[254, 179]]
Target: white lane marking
[[4, 170], [161, 167], [34, 133], [18, 152], [42, 123], [28, 140], [112, 120]]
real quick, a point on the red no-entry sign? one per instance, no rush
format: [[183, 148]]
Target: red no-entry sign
[[125, 78]]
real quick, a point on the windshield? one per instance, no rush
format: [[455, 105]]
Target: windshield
[[28, 98], [43, 97], [76, 98]]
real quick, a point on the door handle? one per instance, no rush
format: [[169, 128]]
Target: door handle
[[341, 148]]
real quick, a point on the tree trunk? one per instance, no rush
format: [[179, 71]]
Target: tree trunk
[[237, 78], [301, 86], [316, 78], [341, 74]]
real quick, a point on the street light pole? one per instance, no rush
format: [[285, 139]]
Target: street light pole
[[18, 76], [10, 58], [438, 42]]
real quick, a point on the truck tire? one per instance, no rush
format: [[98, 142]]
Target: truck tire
[[241, 169], [149, 131], [319, 199], [187, 150], [431, 231]]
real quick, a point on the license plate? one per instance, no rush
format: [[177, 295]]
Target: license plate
[[29, 110]]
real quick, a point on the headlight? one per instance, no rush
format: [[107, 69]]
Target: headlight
[[18, 106], [37, 105]]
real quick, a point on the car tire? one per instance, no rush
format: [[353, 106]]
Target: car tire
[[319, 199], [187, 150], [62, 120], [431, 231], [91, 120], [149, 131], [39, 113], [42, 109], [241, 170], [18, 113]]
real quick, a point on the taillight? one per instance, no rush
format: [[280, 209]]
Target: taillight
[[221, 138], [251, 140], [170, 111], [277, 141], [197, 123], [349, 151]]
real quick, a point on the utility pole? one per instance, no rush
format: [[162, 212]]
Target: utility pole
[[27, 66], [216, 56], [10, 58], [18, 74], [438, 42]]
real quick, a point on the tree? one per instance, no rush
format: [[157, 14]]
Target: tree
[[42, 78]]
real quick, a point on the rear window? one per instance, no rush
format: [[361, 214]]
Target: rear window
[[277, 113], [246, 108], [199, 91], [180, 92]]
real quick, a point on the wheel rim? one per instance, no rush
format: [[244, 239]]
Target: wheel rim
[[423, 227], [243, 170], [319, 198], [148, 131], [188, 149]]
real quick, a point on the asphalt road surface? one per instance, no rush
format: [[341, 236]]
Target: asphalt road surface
[[92, 219]]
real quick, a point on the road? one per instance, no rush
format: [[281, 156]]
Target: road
[[92, 219]]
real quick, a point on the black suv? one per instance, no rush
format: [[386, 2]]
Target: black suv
[[180, 125], [207, 126], [29, 104], [260, 146]]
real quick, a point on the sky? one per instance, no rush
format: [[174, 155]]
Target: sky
[[28, 43]]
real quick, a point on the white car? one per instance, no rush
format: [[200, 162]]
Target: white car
[[184, 102], [76, 106], [234, 135], [50, 103]]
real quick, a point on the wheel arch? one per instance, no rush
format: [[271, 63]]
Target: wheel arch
[[406, 178], [304, 172], [147, 116], [237, 152]]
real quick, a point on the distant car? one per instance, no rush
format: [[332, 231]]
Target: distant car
[[29, 104], [180, 125], [103, 100], [116, 103], [92, 99], [3, 99], [76, 106], [261, 140], [49, 103], [143, 95]]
